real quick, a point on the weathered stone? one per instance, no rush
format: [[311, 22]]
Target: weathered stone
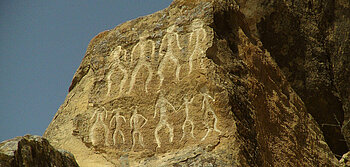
[[190, 85], [345, 160], [309, 40], [341, 59], [33, 151]]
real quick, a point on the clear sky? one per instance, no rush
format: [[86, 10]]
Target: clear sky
[[42, 43]]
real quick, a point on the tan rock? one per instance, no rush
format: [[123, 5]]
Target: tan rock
[[33, 151], [185, 86]]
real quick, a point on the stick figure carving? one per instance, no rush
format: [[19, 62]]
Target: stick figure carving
[[137, 121], [116, 55], [210, 122], [145, 56], [170, 45], [99, 129], [162, 103], [197, 40], [116, 125], [188, 120]]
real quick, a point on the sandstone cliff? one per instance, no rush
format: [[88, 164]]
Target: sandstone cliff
[[212, 83]]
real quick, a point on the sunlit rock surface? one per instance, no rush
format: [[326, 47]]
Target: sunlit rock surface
[[205, 83]]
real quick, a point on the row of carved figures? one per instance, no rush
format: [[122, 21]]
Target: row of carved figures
[[143, 53], [100, 130]]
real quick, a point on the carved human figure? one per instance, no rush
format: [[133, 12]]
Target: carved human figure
[[97, 64], [188, 120], [115, 124], [210, 117], [161, 105], [143, 53], [116, 56], [169, 48], [137, 121], [99, 129], [197, 40]]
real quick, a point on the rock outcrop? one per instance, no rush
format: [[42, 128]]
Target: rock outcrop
[[197, 84], [33, 151], [309, 40]]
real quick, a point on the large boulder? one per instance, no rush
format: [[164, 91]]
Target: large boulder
[[191, 85], [33, 151]]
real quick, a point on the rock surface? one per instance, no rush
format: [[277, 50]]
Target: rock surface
[[345, 160], [309, 40], [193, 85], [33, 151]]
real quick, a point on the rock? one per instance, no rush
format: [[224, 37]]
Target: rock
[[33, 151], [341, 61], [345, 160], [191, 85], [309, 40]]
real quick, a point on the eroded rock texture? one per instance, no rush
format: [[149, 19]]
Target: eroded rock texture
[[193, 85], [309, 40], [33, 151]]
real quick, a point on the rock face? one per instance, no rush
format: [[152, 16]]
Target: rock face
[[193, 85], [33, 151], [309, 40], [345, 160]]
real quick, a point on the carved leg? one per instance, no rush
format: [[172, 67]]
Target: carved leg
[[159, 126], [208, 131], [122, 83], [190, 63], [161, 77], [106, 137], [215, 128], [171, 132], [133, 77], [115, 137], [192, 129], [109, 83], [141, 139], [183, 130], [121, 134], [133, 140], [149, 78], [177, 72]]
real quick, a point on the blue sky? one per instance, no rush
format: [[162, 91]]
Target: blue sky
[[41, 46]]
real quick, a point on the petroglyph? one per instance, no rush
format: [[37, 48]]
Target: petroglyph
[[143, 55], [161, 104], [197, 39], [188, 120], [109, 82], [170, 45], [137, 121], [99, 129], [115, 124], [210, 117], [116, 57]]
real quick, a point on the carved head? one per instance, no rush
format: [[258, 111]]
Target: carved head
[[144, 35], [185, 98], [171, 29], [117, 111], [117, 53], [135, 111], [160, 93], [196, 24]]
